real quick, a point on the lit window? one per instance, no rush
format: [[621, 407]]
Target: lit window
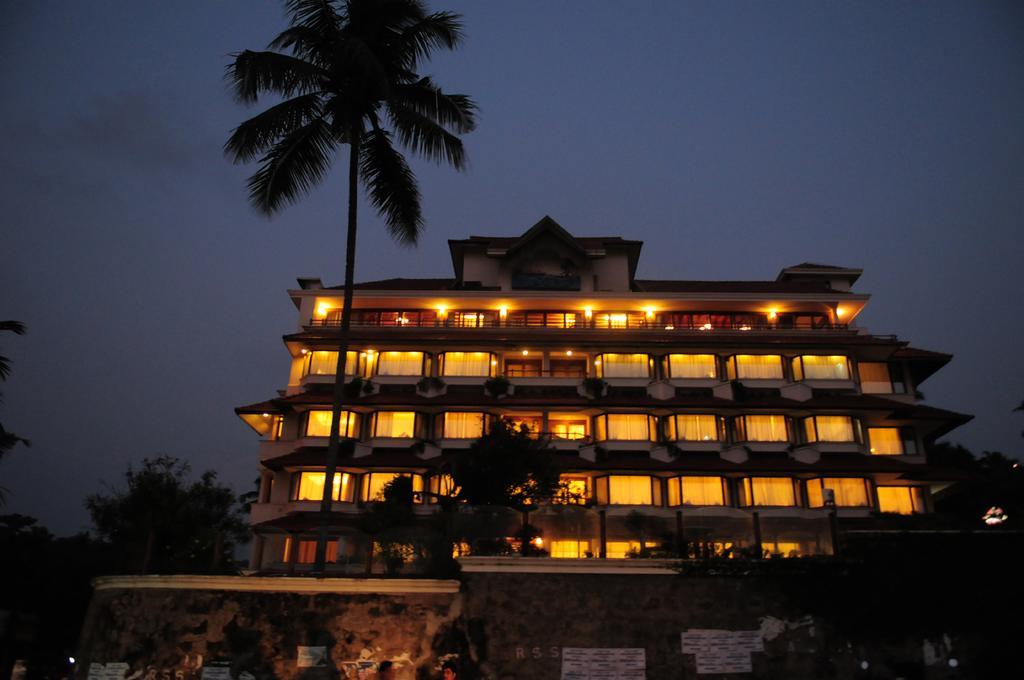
[[570, 549], [885, 441], [620, 549], [830, 429], [574, 490], [326, 363], [309, 486], [902, 500], [567, 426], [305, 552], [696, 491], [773, 491], [762, 429], [624, 366], [617, 320], [815, 367], [374, 483], [755, 367], [692, 366], [629, 490], [849, 493], [443, 485], [400, 363], [533, 424], [318, 424], [456, 364], [394, 424], [693, 428], [625, 427], [462, 425], [524, 368], [874, 378]]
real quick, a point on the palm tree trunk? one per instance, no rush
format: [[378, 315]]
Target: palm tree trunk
[[334, 441]]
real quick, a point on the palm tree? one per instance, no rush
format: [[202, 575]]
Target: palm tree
[[347, 73], [8, 440]]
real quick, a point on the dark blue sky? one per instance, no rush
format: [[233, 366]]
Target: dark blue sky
[[734, 138]]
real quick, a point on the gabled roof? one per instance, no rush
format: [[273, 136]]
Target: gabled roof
[[812, 270]]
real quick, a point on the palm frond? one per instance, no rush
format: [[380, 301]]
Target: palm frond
[[255, 73], [8, 440], [391, 186], [5, 367], [441, 30], [426, 138], [255, 136], [304, 42], [294, 165], [16, 327], [457, 112], [322, 16]]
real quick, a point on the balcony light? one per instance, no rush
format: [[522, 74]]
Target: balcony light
[[322, 309], [773, 315], [670, 327], [744, 328], [538, 542], [503, 312], [494, 362], [303, 351], [442, 311], [649, 312], [706, 327], [588, 313], [568, 352], [526, 352], [840, 312], [266, 415], [597, 362]]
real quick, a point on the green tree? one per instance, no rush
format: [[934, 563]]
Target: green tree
[[162, 518], [347, 71]]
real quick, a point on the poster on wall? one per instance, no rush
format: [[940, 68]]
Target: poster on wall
[[722, 651], [312, 657], [604, 663]]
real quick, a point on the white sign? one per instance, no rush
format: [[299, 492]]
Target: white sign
[[604, 663], [722, 651], [312, 657]]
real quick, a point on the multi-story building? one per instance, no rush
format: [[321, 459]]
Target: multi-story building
[[731, 413]]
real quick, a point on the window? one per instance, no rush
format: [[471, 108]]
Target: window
[[524, 368], [696, 491], [309, 486], [880, 378], [777, 491], [455, 364], [374, 483], [574, 491], [902, 500], [628, 490], [443, 485], [815, 367], [692, 366], [567, 426], [626, 427], [690, 428], [570, 549], [617, 320], [462, 425], [887, 441], [318, 424], [533, 424], [830, 429], [305, 552], [623, 366], [326, 363], [400, 363], [761, 429], [755, 367], [568, 368], [621, 549], [394, 424], [461, 319], [848, 492]]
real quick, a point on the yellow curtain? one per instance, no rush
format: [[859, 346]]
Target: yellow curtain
[[628, 427], [326, 363], [834, 367], [575, 490], [376, 481], [463, 425], [318, 424], [395, 424], [766, 428], [849, 493], [903, 500], [569, 549], [885, 441], [692, 366], [834, 428], [625, 365], [758, 366], [467, 364], [400, 363], [306, 553], [874, 378], [443, 485], [773, 491], [702, 491], [610, 321], [311, 486], [567, 427], [629, 490], [696, 428]]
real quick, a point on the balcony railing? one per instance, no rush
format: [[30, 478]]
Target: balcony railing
[[629, 324]]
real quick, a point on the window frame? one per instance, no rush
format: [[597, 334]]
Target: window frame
[[733, 366], [739, 429]]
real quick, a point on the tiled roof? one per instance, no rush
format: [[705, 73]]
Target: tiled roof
[[667, 286]]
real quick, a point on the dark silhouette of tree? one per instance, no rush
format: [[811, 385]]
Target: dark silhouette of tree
[[989, 480], [347, 71], [8, 440], [162, 519]]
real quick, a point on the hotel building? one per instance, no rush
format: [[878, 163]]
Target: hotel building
[[729, 414]]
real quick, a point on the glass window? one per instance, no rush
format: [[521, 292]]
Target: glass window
[[394, 424], [755, 367], [885, 441], [524, 368], [830, 429], [762, 429], [692, 366], [625, 427], [318, 424], [443, 485], [629, 490], [624, 366], [567, 426], [621, 549], [615, 320], [848, 492], [374, 483], [696, 491], [305, 552], [574, 491], [903, 500], [693, 428], [462, 425], [326, 363], [309, 486], [533, 424], [563, 549], [466, 364], [568, 368], [833, 367], [777, 491], [874, 377], [400, 363]]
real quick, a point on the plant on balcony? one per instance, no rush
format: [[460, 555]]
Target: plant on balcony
[[594, 387], [358, 387], [430, 384], [498, 386]]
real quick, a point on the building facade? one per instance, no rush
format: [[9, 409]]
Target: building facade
[[728, 414]]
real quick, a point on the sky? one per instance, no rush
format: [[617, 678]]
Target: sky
[[733, 138]]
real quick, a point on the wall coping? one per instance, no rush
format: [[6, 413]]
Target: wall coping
[[285, 584], [548, 565]]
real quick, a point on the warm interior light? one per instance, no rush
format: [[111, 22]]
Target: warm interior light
[[840, 312], [744, 328], [526, 352], [371, 351], [772, 314], [494, 362], [588, 312], [568, 352], [538, 541], [670, 327], [266, 415], [706, 327], [597, 362], [442, 311], [322, 309], [650, 312], [304, 351], [503, 312]]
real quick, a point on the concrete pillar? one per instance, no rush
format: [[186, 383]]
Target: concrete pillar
[[603, 552], [758, 551]]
